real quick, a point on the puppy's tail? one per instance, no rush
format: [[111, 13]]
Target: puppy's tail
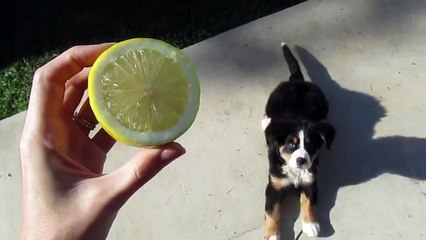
[[295, 73]]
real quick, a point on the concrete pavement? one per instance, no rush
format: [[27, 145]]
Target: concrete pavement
[[369, 58]]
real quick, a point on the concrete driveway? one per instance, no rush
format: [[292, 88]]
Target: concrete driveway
[[369, 58]]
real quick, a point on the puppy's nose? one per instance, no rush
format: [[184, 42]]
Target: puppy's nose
[[301, 161]]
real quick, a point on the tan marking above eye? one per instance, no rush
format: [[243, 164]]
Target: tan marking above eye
[[293, 141]]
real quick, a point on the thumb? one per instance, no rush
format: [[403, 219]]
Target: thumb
[[125, 181]]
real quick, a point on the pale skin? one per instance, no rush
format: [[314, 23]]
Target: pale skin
[[66, 195]]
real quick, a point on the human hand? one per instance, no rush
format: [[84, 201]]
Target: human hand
[[65, 193]]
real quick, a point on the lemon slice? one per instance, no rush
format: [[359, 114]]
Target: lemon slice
[[144, 92]]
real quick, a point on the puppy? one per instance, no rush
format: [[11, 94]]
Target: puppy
[[295, 129]]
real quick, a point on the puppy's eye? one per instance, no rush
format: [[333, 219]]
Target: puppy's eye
[[292, 143]]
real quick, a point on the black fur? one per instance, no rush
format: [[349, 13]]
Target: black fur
[[296, 104]]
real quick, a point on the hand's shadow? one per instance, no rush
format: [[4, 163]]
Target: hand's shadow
[[355, 156]]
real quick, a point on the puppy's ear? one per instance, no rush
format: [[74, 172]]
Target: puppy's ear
[[326, 131], [270, 136]]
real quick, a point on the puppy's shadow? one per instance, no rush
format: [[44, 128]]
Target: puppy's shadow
[[356, 156]]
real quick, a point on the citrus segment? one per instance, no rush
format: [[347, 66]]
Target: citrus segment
[[144, 92]]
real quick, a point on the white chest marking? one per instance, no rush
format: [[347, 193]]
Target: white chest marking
[[298, 176]]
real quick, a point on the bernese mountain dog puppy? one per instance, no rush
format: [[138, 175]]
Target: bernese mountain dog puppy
[[295, 128]]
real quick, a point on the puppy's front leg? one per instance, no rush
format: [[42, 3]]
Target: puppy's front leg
[[310, 225], [273, 213]]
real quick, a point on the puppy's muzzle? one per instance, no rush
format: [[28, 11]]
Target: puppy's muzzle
[[300, 159]]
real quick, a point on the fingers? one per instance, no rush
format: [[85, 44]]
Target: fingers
[[48, 90], [121, 184], [74, 91], [70, 62]]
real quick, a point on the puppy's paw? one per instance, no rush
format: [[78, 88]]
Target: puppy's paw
[[273, 237], [265, 123], [311, 229]]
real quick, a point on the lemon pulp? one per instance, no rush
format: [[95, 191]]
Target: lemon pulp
[[144, 92], [135, 96]]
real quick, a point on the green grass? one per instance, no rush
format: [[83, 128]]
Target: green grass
[[15, 84], [33, 33]]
